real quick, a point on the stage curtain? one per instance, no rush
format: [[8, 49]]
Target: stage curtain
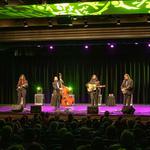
[[76, 72]]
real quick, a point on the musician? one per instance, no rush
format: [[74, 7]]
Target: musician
[[93, 90], [61, 80], [127, 89], [22, 90], [56, 92]]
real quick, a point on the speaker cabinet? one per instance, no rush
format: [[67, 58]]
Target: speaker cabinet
[[36, 109], [92, 110], [128, 110]]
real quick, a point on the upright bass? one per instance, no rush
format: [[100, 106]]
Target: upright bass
[[67, 99]]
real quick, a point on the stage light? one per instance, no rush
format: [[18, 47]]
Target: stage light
[[50, 25], [70, 88], [39, 89], [148, 19], [118, 22], [86, 46], [85, 23], [74, 18], [70, 25], [39, 46], [148, 44], [51, 47], [25, 24], [111, 45], [136, 43]]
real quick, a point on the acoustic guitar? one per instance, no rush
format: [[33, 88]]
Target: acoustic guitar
[[92, 87]]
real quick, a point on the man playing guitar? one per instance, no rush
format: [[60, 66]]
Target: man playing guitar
[[127, 89], [93, 90]]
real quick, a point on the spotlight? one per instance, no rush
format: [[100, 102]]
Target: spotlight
[[148, 19], [136, 43], [74, 18], [70, 88], [148, 44], [50, 24], [39, 46], [111, 45], [25, 24], [85, 23], [39, 89], [51, 47], [86, 46], [70, 25], [118, 22]]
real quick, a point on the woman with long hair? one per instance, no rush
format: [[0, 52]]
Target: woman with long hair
[[22, 90]]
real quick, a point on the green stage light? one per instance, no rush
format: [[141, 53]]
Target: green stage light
[[39, 89], [70, 88]]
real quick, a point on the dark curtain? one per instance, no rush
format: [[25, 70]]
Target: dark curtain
[[76, 71]]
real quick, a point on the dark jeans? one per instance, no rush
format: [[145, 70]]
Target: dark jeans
[[127, 99], [56, 99], [94, 98], [22, 97]]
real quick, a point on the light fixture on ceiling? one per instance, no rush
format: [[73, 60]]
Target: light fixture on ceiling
[[25, 24], [50, 25], [118, 22], [148, 19], [85, 23]]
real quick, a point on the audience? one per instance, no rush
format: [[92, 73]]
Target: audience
[[44, 132]]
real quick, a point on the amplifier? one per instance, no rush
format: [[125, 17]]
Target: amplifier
[[38, 99]]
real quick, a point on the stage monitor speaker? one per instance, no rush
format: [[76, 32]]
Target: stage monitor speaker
[[92, 110], [35, 109], [128, 110]]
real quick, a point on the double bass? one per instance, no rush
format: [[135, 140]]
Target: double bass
[[67, 99]]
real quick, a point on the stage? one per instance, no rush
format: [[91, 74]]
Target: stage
[[78, 110]]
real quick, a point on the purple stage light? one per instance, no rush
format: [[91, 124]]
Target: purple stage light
[[148, 44], [51, 47], [86, 46], [112, 46]]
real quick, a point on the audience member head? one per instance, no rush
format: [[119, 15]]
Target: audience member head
[[7, 131], [127, 139], [111, 132], [68, 141], [97, 144], [16, 147], [35, 146]]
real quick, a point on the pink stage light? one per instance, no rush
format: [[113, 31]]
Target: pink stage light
[[86, 46], [51, 47]]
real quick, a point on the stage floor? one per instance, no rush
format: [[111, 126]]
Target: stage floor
[[81, 109]]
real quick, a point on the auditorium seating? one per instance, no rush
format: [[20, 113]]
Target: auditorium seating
[[44, 132]]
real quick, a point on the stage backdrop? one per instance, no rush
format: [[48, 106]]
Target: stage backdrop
[[76, 65]]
